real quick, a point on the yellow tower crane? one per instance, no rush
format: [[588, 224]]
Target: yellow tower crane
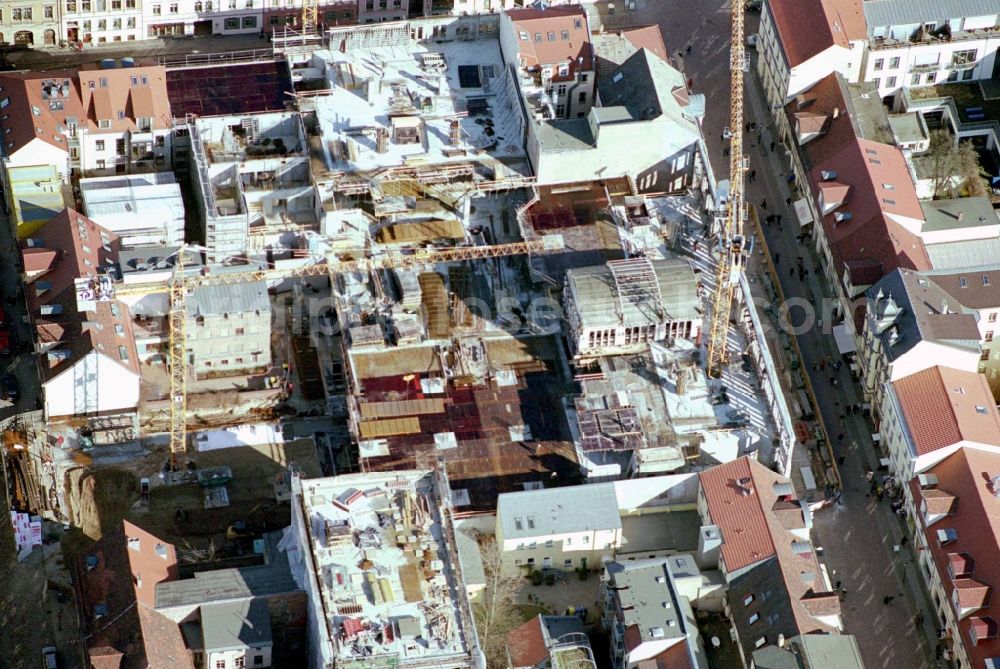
[[310, 17], [180, 286], [732, 241]]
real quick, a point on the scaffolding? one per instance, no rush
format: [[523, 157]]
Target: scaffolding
[[635, 284]]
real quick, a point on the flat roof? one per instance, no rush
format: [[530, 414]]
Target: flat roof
[[534, 513], [962, 212], [235, 625], [649, 603], [907, 128], [422, 87], [674, 531], [229, 89]]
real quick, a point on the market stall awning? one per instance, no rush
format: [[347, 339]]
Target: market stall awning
[[844, 338], [803, 212]]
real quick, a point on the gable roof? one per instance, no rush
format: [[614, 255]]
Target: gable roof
[[868, 230], [82, 249], [41, 103], [969, 475], [576, 51], [944, 406], [611, 49], [971, 289], [645, 86], [740, 497], [526, 644], [830, 23]]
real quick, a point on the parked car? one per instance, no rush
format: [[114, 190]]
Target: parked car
[[49, 660], [9, 392]]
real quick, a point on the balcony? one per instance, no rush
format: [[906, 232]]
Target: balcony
[[883, 43], [929, 67], [960, 67]]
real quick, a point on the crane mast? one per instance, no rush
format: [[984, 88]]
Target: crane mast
[[731, 238], [180, 286], [310, 17]]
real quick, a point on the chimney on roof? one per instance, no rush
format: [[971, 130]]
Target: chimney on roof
[[746, 486], [944, 306], [836, 112], [781, 641], [960, 215]]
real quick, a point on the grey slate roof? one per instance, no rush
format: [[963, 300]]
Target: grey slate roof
[[232, 299], [770, 601], [235, 625], [971, 289], [571, 134], [968, 255], [880, 13], [921, 316], [644, 85], [811, 651], [962, 212], [558, 510], [648, 599]]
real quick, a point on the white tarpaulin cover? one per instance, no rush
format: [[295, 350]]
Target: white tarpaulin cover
[[845, 340]]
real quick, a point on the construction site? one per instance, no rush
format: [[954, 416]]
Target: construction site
[[381, 568]]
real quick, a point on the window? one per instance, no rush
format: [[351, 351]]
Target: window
[[552, 36], [241, 662], [249, 21], [523, 35], [894, 63], [565, 35], [577, 23], [583, 97], [258, 660], [986, 279], [249, 4], [988, 336], [99, 145], [549, 543], [915, 80], [130, 22], [761, 642], [879, 63], [48, 11], [930, 78], [116, 24], [531, 522], [518, 524], [238, 332], [129, 4], [173, 7], [233, 23], [967, 74], [966, 57], [101, 164], [232, 4], [890, 82], [119, 329], [992, 318], [567, 563], [754, 618], [981, 410], [877, 82], [220, 664], [102, 24], [70, 7], [984, 356], [748, 600], [157, 10], [538, 37], [199, 6], [962, 283], [586, 539], [123, 352]]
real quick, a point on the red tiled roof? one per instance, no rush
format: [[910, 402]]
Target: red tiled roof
[[576, 51], [944, 406], [145, 561], [961, 564], [76, 99], [746, 538], [38, 260], [752, 533], [881, 193], [939, 502], [80, 248], [830, 22], [967, 474], [646, 37], [526, 644], [972, 594], [674, 657]]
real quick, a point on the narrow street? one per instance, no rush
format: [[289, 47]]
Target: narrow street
[[861, 538]]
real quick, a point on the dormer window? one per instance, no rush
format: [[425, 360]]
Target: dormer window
[[828, 175], [104, 123], [946, 536], [842, 216]]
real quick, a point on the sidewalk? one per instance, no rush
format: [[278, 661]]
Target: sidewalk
[[860, 536]]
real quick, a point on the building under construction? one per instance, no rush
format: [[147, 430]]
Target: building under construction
[[377, 559]]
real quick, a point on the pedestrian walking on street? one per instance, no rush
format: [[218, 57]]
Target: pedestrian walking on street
[[772, 147], [690, 83], [840, 437], [822, 363], [753, 126], [763, 203], [746, 128], [777, 258], [791, 271], [788, 201], [688, 49]]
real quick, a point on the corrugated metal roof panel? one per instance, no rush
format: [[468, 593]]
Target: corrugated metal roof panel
[[905, 12]]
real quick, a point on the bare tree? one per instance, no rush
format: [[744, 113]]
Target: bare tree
[[955, 167], [496, 608]]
